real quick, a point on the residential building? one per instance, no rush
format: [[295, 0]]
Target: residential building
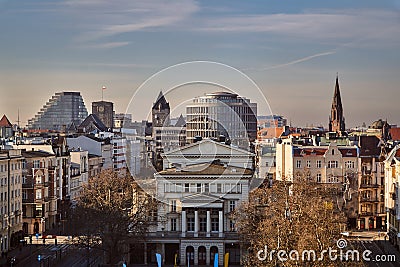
[[392, 192], [100, 146], [79, 172], [62, 110], [39, 204], [104, 110], [6, 129], [10, 198], [371, 180], [271, 121], [222, 113]]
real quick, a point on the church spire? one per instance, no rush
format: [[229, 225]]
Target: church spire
[[336, 119]]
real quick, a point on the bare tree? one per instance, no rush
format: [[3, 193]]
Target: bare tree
[[291, 217], [109, 211]]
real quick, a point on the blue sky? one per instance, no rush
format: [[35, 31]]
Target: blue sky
[[291, 49]]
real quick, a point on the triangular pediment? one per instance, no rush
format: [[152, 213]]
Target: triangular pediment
[[207, 147], [201, 198]]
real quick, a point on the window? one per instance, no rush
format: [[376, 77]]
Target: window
[[214, 224], [38, 193], [198, 188], [332, 164], [186, 187], [232, 227], [298, 164], [266, 164], [308, 163], [203, 224], [232, 205], [333, 152], [36, 164], [349, 164], [190, 224], [219, 188], [173, 224], [318, 177], [319, 164], [173, 205], [309, 176], [207, 188]]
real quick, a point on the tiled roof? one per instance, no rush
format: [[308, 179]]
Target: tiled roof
[[269, 133], [395, 133], [4, 122]]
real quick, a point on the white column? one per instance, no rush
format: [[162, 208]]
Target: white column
[[208, 222], [183, 215], [196, 223], [220, 223]]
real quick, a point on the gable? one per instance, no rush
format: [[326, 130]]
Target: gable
[[207, 148]]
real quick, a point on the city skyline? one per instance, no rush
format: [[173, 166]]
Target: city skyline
[[292, 51]]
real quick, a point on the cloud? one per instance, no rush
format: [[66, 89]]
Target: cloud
[[318, 24], [106, 45], [294, 61], [97, 19]]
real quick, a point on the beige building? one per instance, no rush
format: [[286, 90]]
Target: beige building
[[330, 165], [10, 198], [392, 190], [322, 164], [39, 191]]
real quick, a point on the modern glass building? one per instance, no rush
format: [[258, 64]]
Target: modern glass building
[[222, 113], [59, 112]]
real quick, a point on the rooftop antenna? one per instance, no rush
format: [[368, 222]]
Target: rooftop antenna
[[102, 91], [18, 121]]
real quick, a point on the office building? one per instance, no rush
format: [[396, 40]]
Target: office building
[[62, 110]]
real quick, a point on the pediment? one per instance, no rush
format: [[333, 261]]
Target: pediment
[[207, 148]]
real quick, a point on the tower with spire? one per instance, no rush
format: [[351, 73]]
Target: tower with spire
[[336, 119], [160, 112]]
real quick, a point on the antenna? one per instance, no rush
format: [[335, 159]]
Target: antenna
[[102, 91], [18, 121]]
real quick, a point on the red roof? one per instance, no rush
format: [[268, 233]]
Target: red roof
[[395, 133], [302, 152], [4, 122], [268, 133], [348, 152]]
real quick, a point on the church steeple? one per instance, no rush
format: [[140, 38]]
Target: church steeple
[[160, 111], [336, 119]]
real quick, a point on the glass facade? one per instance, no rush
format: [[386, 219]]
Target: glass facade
[[59, 112]]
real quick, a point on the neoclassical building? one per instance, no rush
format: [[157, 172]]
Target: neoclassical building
[[198, 189]]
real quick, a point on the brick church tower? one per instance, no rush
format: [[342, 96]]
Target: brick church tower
[[336, 119]]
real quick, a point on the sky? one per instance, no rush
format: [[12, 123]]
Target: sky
[[292, 50]]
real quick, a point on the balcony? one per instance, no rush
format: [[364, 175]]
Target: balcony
[[369, 185], [367, 213], [369, 199]]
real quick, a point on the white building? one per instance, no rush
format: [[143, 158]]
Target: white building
[[392, 191], [96, 146], [10, 198], [79, 172], [200, 187]]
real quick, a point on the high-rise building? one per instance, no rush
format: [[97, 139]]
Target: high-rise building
[[60, 111], [222, 113], [105, 112], [336, 119]]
